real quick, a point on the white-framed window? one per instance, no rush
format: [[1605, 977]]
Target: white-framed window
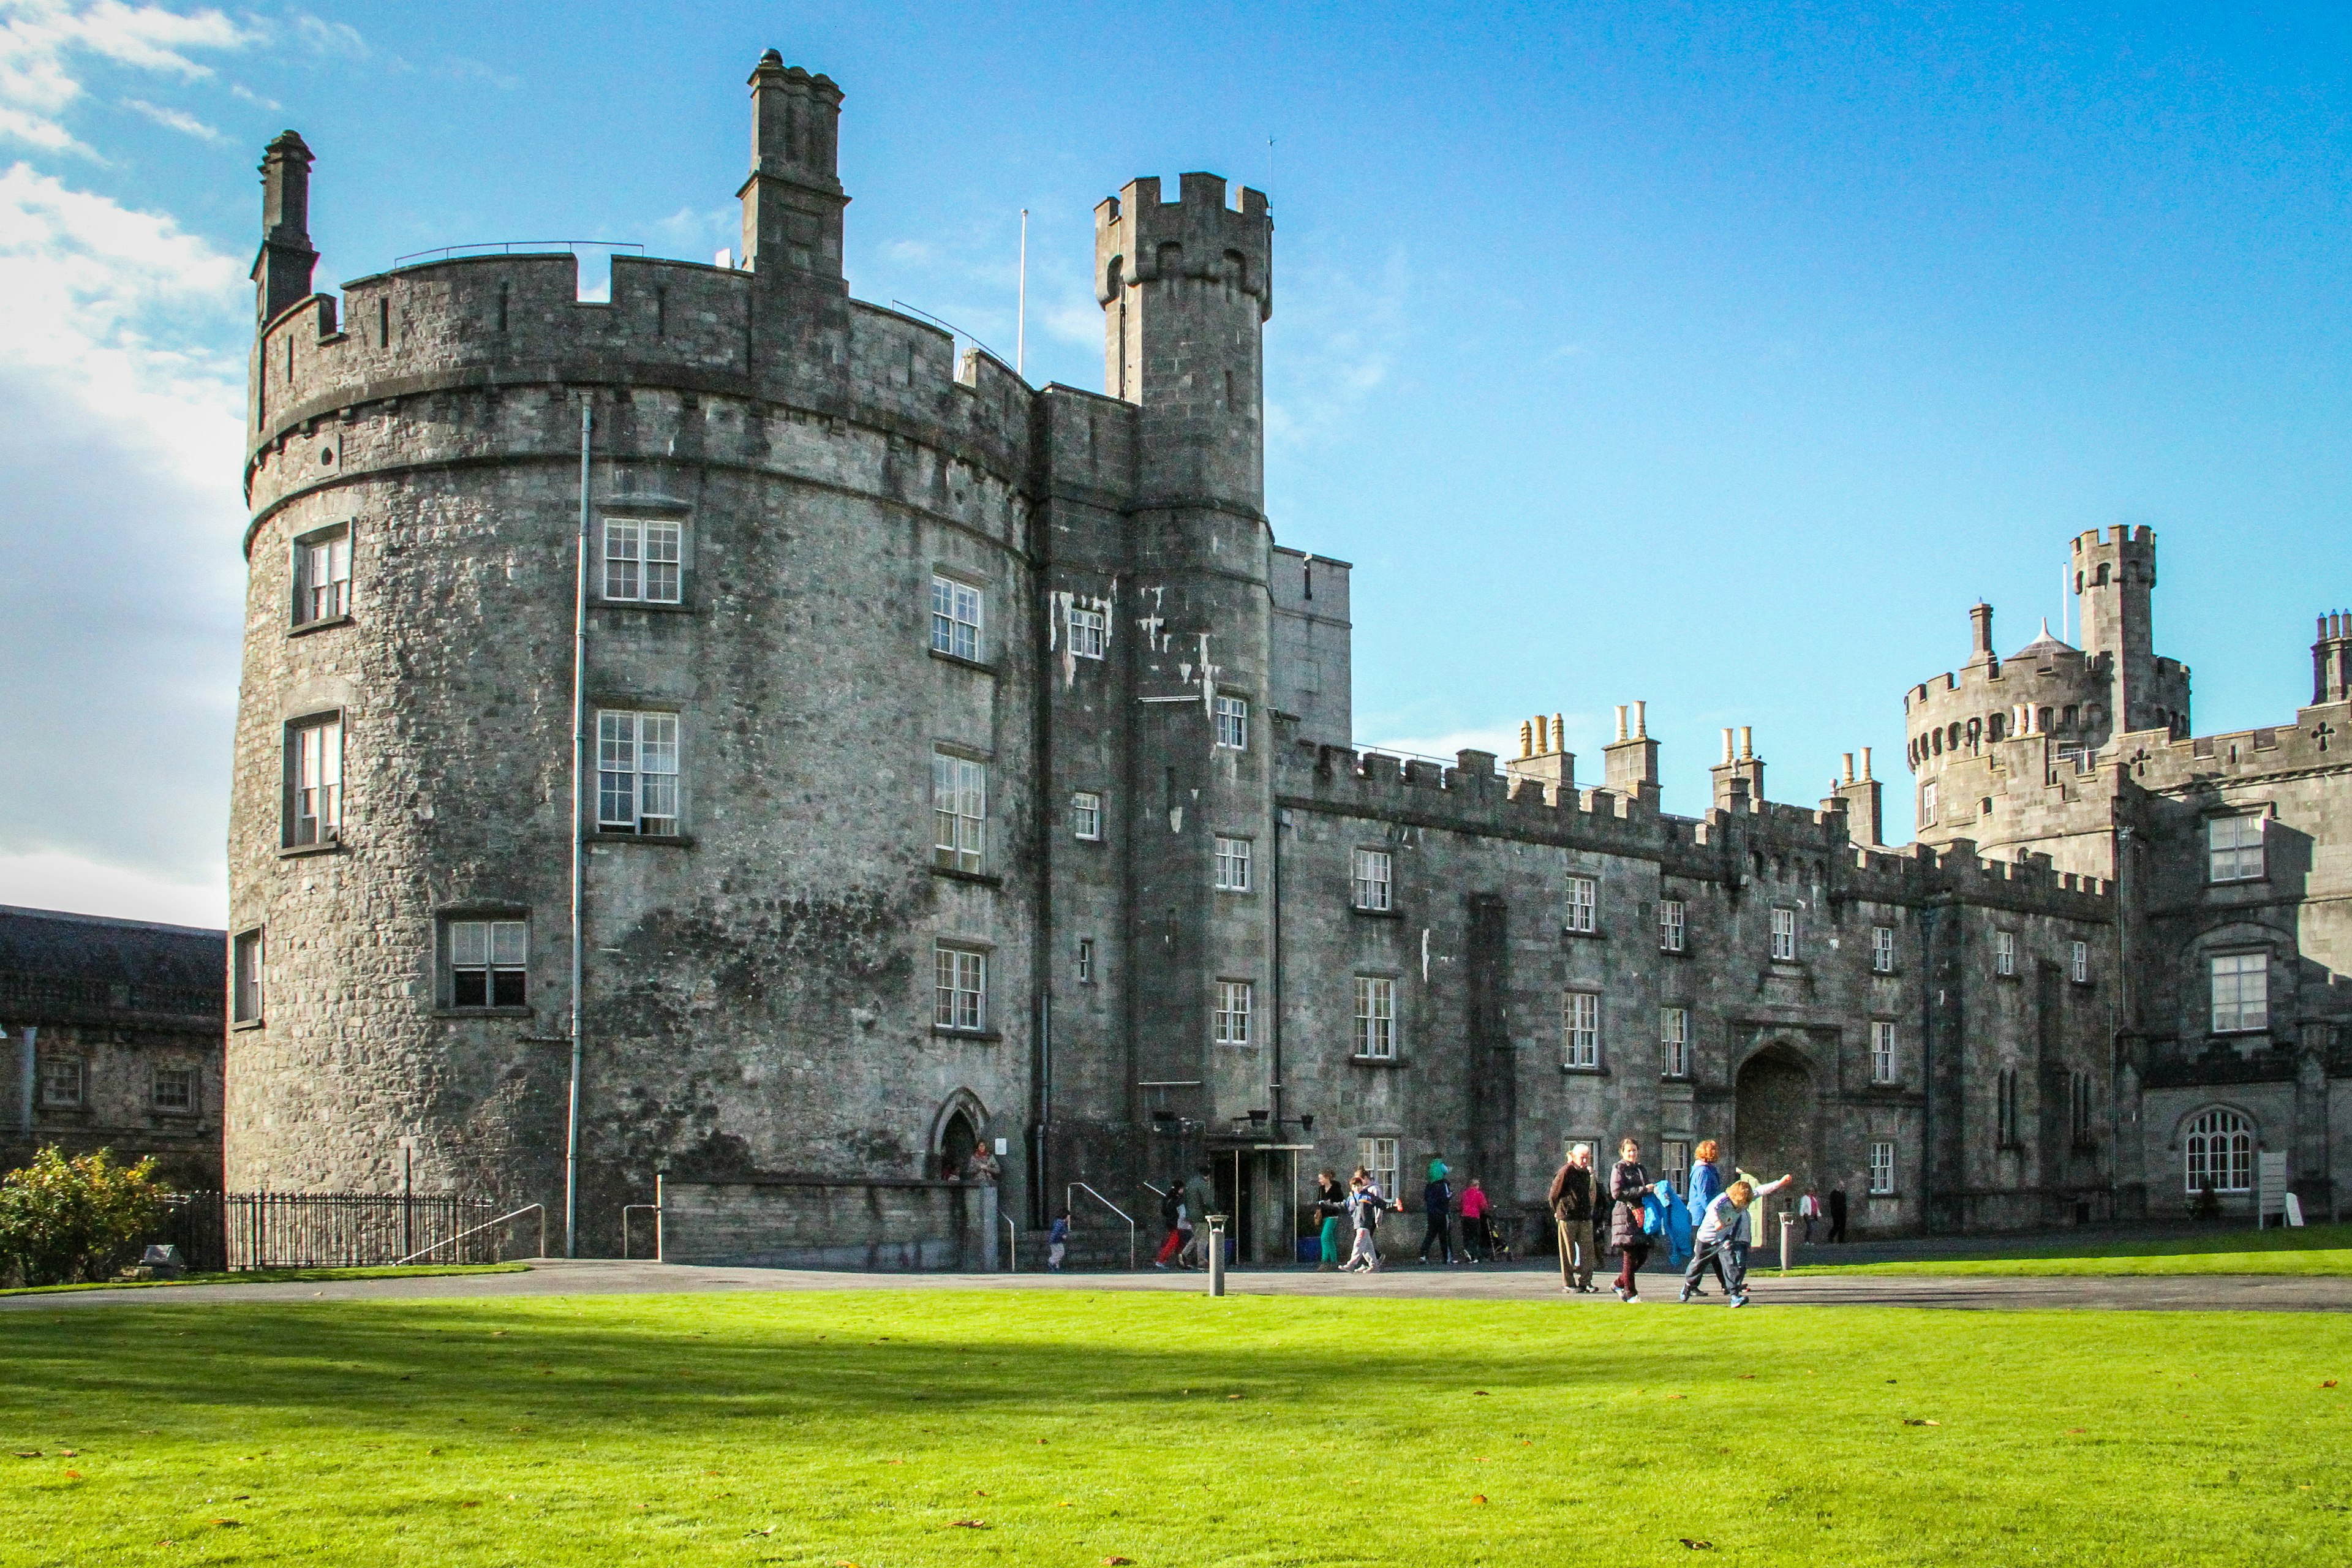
[[1881, 1167], [2241, 992], [1234, 999], [1584, 904], [1232, 722], [1233, 865], [244, 978], [2005, 1109], [1882, 1051], [955, 618], [1089, 632], [1085, 961], [1674, 928], [2079, 966], [2233, 848], [1674, 1042], [1378, 1156], [173, 1090], [490, 963], [642, 558], [1580, 1028], [1373, 883], [323, 576], [2221, 1148], [1375, 1017], [1784, 932], [1673, 1161], [1928, 801], [959, 988], [1085, 817], [959, 813], [1881, 949], [2004, 953], [62, 1081], [314, 779], [636, 771]]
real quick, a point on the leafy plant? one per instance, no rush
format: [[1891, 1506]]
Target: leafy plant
[[63, 1220]]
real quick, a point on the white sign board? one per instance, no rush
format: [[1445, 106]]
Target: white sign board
[[2270, 1185]]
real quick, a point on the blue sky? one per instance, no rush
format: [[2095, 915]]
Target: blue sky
[[1718, 357]]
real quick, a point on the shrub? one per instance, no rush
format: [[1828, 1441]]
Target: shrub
[[65, 1220]]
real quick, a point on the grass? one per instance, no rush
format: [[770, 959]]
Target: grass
[[276, 1277], [2318, 1249], [1082, 1429]]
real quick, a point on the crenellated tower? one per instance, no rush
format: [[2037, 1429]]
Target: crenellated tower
[[2114, 580]]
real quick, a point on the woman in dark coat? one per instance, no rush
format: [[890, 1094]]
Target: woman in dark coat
[[1629, 1183]]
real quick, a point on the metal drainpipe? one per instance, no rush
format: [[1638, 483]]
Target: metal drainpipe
[[579, 849], [1928, 915]]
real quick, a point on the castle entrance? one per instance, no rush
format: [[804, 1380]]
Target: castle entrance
[[1776, 1120], [958, 1138]]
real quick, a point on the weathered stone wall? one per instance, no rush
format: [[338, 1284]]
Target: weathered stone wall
[[791, 1222]]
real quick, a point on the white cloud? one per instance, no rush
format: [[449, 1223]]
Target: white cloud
[[41, 40], [82, 887], [172, 119], [324, 38], [1338, 341]]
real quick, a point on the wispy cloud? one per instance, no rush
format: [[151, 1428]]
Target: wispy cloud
[[1339, 341], [338, 39], [464, 68], [172, 119], [42, 43]]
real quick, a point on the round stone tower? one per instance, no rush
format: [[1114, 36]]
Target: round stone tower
[[785, 535]]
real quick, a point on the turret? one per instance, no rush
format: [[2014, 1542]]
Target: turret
[[1186, 286], [282, 268], [792, 196], [2114, 578], [2331, 660]]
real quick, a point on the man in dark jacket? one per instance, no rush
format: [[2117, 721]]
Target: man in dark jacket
[[1571, 1209], [1437, 1211], [1837, 1214]]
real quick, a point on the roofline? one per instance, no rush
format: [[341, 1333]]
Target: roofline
[[110, 920]]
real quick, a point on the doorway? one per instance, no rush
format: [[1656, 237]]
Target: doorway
[[1776, 1115], [959, 1136]]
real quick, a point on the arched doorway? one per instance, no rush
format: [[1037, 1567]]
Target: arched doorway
[[1776, 1115], [956, 1133]]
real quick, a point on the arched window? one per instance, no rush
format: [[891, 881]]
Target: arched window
[[2221, 1148], [1998, 726], [1952, 737]]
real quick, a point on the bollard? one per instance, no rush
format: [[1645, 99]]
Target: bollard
[[1216, 1255], [1788, 1240]]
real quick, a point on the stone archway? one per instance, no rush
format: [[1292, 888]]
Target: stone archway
[[1776, 1115], [956, 1133]]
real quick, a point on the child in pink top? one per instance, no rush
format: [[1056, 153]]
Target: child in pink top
[[1476, 1240]]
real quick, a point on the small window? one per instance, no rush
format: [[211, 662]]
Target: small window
[[2220, 1152], [1784, 934], [2004, 953], [955, 618], [1233, 865], [1927, 801], [322, 577], [1584, 904], [1232, 722], [1579, 1027], [642, 560], [1378, 1156], [1089, 632], [2080, 965], [1882, 1052], [2005, 1109], [1881, 1167], [1373, 884], [1673, 925], [2078, 1108], [959, 813], [62, 1082], [960, 988], [2234, 847], [636, 773], [1085, 817], [1674, 1042], [1673, 1161], [314, 781], [1085, 961], [1375, 1017], [490, 963], [1881, 949], [2241, 992], [244, 978], [1234, 1006], [175, 1090]]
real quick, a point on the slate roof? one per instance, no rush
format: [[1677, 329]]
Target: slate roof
[[52, 964]]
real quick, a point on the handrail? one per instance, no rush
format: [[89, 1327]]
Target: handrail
[[1011, 1244], [1082, 1188], [485, 1225], [509, 246], [627, 1209]]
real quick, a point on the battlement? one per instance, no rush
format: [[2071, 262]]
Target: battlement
[[1139, 239], [2137, 543]]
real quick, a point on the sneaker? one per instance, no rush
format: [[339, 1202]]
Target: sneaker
[[1620, 1291], [1685, 1298], [1633, 1297], [1159, 1266], [1737, 1301]]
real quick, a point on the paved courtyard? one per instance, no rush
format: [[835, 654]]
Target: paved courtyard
[[2182, 1293]]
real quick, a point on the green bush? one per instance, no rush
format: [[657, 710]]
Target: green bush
[[66, 1220]]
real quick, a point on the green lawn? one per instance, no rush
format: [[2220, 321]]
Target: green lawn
[[2306, 1249], [1081, 1429], [278, 1277]]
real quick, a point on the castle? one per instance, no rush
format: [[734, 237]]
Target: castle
[[894, 759]]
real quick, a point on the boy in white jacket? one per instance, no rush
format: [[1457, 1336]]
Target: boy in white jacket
[[1723, 1237]]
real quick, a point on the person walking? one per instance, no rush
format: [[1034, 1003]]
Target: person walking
[[1437, 1213], [1331, 1204], [1200, 1197], [1629, 1183], [1837, 1214], [1723, 1239], [1477, 1241], [1178, 1224], [1706, 1185], [1058, 1240], [1571, 1203], [1366, 1202], [1808, 1209]]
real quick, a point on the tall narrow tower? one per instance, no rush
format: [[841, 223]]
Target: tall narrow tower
[[282, 268], [792, 197], [2114, 579]]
